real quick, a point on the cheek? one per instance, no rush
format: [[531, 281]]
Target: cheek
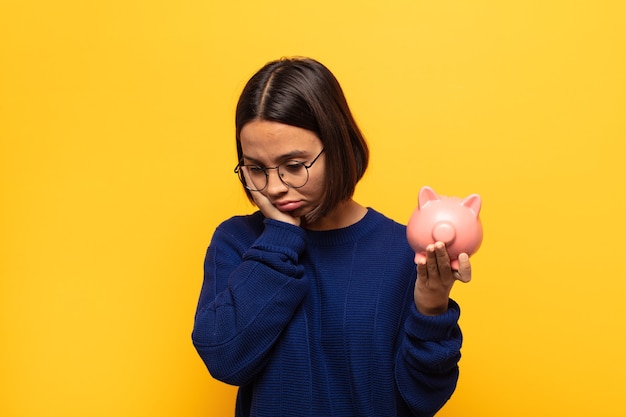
[[315, 187]]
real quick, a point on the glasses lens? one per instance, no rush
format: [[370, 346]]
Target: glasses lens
[[294, 174], [253, 177]]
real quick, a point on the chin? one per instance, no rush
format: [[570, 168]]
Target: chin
[[310, 216]]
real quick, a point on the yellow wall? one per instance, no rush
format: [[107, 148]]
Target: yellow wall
[[116, 125]]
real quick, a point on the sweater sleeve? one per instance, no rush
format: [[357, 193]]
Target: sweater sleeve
[[427, 362], [248, 297]]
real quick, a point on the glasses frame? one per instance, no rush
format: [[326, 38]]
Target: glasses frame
[[265, 170]]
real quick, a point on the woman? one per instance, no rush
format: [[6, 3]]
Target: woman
[[311, 305]]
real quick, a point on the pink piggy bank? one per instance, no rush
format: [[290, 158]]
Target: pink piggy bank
[[451, 220]]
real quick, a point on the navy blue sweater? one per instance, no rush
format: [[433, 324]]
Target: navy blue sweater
[[322, 323]]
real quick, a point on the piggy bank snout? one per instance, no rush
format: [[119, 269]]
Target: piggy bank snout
[[444, 232]]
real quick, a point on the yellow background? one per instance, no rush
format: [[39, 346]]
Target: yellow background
[[116, 128]]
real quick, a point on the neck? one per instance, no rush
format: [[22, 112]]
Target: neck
[[345, 214]]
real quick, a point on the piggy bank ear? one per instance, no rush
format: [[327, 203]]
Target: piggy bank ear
[[426, 194], [473, 202]]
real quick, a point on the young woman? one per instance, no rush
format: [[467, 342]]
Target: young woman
[[312, 304]]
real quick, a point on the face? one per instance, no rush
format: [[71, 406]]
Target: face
[[269, 144]]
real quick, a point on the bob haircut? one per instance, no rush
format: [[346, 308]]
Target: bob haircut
[[302, 92]]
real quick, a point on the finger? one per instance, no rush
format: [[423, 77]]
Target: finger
[[259, 198], [443, 261], [422, 272], [431, 262], [267, 208], [465, 268], [246, 176]]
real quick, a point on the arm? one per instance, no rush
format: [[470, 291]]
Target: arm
[[248, 297], [427, 364]]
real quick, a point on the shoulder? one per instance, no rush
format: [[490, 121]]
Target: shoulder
[[382, 230], [243, 229], [379, 222], [248, 222]]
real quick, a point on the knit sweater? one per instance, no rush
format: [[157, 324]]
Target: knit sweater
[[322, 323]]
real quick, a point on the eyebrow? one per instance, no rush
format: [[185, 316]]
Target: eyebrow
[[289, 155]]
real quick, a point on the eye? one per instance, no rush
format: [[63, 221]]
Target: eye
[[255, 170], [293, 166]]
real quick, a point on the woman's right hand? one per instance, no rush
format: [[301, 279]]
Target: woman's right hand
[[269, 210]]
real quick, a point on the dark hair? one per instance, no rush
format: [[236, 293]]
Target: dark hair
[[302, 92]]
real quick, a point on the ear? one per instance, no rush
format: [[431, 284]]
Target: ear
[[473, 202], [426, 194]]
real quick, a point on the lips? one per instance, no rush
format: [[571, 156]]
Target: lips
[[288, 205]]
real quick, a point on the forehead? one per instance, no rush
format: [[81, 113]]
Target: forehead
[[267, 141]]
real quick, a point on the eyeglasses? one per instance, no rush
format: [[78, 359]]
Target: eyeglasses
[[293, 174]]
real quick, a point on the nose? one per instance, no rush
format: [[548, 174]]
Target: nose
[[274, 184]]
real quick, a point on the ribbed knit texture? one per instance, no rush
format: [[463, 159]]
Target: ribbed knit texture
[[322, 323]]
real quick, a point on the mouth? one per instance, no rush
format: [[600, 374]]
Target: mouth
[[287, 206]]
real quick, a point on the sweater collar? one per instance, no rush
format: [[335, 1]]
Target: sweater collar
[[348, 234]]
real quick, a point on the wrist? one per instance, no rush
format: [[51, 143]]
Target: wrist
[[432, 311], [431, 306]]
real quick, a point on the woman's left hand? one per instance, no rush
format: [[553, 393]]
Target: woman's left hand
[[435, 278]]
